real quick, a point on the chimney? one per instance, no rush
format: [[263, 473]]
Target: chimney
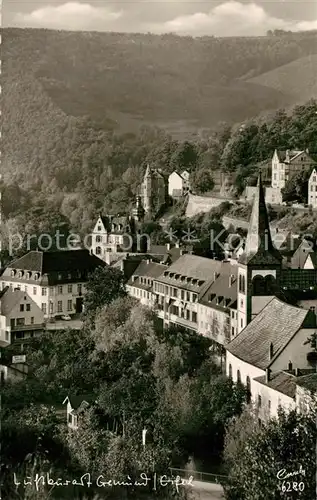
[[267, 375], [297, 372], [231, 280], [168, 246], [290, 366], [271, 354]]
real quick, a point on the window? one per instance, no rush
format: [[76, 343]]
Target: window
[[241, 303], [32, 320], [259, 401], [194, 317], [59, 306], [70, 418], [79, 289], [238, 376], [241, 322], [51, 307], [19, 335], [70, 288], [44, 309], [188, 296], [20, 321], [194, 297], [60, 289], [25, 288], [69, 305], [21, 307], [98, 239], [232, 331], [232, 314], [174, 292], [34, 290], [230, 370], [28, 307], [7, 335], [44, 291], [182, 294], [269, 405]]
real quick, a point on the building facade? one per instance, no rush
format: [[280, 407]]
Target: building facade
[[153, 192], [178, 184], [55, 281], [312, 189]]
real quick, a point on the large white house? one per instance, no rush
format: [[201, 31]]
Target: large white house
[[275, 340], [178, 184], [312, 189], [55, 281]]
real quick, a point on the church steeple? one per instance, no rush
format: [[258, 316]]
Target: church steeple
[[259, 247]]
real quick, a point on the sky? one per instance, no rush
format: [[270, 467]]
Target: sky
[[186, 17]]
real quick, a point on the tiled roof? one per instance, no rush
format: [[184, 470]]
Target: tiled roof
[[76, 401], [10, 298], [280, 381], [308, 381], [149, 269], [195, 267], [219, 293], [292, 154], [277, 323], [48, 262]]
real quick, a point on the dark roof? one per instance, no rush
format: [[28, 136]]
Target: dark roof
[[77, 401], [276, 324], [59, 261], [292, 153], [308, 382], [219, 294], [259, 247], [281, 382], [193, 266], [149, 269]]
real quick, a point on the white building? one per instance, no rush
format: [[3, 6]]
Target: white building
[[55, 281], [23, 316], [140, 285], [286, 163], [76, 405], [312, 189], [275, 340], [178, 184]]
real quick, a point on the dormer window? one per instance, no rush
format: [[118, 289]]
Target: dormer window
[[28, 275], [36, 276], [20, 274], [188, 280], [194, 281], [177, 276], [13, 272], [165, 273], [113, 227]]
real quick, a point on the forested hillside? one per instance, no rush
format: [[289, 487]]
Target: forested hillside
[[65, 97]]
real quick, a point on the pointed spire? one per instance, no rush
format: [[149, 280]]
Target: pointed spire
[[259, 240], [148, 171]]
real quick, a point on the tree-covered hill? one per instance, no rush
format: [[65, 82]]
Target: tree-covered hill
[[62, 151], [124, 80]]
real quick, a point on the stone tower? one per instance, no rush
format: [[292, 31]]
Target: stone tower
[[259, 267], [154, 192]]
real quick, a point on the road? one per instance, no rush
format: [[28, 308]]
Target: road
[[207, 491]]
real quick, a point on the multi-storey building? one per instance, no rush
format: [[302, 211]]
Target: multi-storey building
[[286, 163], [54, 280], [24, 318], [153, 192], [312, 189], [178, 184], [140, 285]]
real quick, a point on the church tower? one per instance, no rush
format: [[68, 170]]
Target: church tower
[[147, 190], [259, 267], [138, 210]]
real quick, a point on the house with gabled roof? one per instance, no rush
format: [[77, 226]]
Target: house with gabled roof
[[140, 284], [178, 184], [275, 340], [76, 406]]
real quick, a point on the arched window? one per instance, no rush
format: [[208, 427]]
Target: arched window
[[248, 389], [258, 285], [238, 377], [230, 370], [270, 285]]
